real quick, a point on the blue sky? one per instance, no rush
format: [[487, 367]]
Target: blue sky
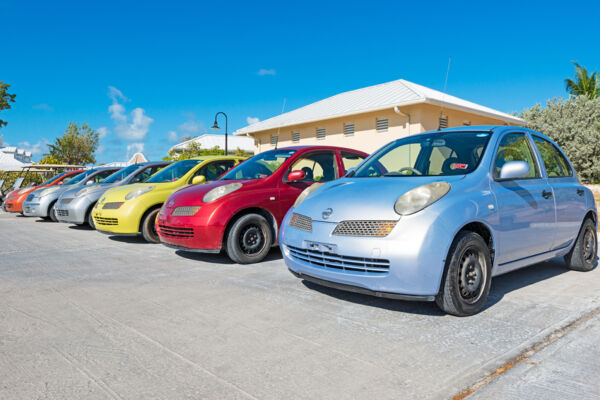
[[147, 73]]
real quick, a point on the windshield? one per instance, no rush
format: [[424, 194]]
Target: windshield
[[77, 178], [173, 172], [54, 178], [121, 174], [433, 154], [260, 166]]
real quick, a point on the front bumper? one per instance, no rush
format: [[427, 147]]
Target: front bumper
[[412, 257], [202, 232], [73, 210], [122, 221], [38, 206]]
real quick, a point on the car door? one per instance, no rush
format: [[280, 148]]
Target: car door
[[569, 197], [319, 166], [525, 207]]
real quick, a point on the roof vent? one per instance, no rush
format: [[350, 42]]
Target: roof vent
[[382, 124], [320, 133], [274, 140], [443, 122], [296, 137], [349, 129]]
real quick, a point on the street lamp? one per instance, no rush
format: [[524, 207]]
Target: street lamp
[[216, 126]]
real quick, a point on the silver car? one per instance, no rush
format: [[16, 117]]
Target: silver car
[[74, 206], [41, 203], [434, 216]]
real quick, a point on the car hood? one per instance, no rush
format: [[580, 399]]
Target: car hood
[[362, 198], [192, 195], [118, 193]]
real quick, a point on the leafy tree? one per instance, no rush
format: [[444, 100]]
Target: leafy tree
[[584, 84], [195, 150], [48, 159], [76, 146], [5, 99], [575, 125]]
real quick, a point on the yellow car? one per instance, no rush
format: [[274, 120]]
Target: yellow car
[[131, 209]]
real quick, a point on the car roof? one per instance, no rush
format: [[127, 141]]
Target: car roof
[[309, 147]]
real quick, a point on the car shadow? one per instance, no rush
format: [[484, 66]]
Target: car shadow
[[129, 239], [44, 220], [222, 258], [84, 227], [501, 285]]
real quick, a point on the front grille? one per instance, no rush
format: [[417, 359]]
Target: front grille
[[106, 221], [185, 211], [66, 201], [175, 232], [364, 228], [301, 222], [112, 206], [62, 213], [340, 262]]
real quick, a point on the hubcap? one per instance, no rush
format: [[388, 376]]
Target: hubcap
[[589, 245], [471, 275], [252, 239]]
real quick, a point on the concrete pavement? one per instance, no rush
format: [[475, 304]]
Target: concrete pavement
[[84, 315]]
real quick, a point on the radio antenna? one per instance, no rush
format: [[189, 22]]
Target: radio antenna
[[441, 120], [279, 128]]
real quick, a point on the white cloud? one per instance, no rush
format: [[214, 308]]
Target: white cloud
[[102, 131], [252, 120], [134, 148], [263, 72], [43, 106], [35, 148], [189, 127], [172, 137], [134, 126]]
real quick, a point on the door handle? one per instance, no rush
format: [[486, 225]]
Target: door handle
[[546, 194], [580, 192]]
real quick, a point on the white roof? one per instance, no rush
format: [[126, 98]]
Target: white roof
[[208, 141], [374, 98], [9, 163]]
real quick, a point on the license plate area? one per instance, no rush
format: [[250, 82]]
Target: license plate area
[[322, 247]]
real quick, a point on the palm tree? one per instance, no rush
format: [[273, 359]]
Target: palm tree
[[583, 84]]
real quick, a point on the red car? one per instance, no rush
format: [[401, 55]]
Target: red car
[[14, 200], [241, 212]]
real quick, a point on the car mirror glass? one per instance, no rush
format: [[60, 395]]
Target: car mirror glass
[[295, 176], [198, 179], [514, 170]]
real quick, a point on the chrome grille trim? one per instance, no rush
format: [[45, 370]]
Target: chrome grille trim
[[62, 213], [106, 221], [112, 205], [186, 211], [340, 262], [364, 228], [301, 222]]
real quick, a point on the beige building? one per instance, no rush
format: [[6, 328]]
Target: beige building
[[366, 119]]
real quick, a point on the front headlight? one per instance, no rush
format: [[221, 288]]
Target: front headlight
[[220, 191], [306, 192], [418, 198], [138, 192]]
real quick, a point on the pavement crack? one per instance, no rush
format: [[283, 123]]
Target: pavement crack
[[528, 353]]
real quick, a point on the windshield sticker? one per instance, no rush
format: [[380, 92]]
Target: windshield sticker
[[459, 166]]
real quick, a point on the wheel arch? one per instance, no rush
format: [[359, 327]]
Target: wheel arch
[[148, 211], [251, 210]]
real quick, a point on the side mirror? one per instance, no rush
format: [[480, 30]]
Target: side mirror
[[90, 182], [60, 183], [198, 179], [295, 176], [514, 170]]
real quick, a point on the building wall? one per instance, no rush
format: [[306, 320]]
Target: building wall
[[423, 117]]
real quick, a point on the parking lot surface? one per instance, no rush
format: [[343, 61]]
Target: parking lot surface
[[85, 315]]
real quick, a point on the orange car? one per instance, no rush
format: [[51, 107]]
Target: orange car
[[14, 200]]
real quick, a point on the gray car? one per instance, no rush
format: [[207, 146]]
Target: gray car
[[74, 205], [41, 203]]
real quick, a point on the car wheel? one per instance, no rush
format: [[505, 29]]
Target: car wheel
[[149, 227], [467, 276], [52, 213], [90, 219], [249, 239], [584, 254]]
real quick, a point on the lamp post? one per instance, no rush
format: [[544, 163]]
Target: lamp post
[[216, 126]]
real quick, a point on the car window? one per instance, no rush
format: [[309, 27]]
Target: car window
[[174, 171], [146, 173], [554, 161], [260, 166], [515, 147], [121, 174], [214, 170], [351, 160], [53, 179], [318, 167], [100, 177]]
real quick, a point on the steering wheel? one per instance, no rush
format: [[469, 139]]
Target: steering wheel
[[414, 170]]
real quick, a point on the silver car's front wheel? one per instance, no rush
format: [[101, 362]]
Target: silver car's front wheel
[[467, 278]]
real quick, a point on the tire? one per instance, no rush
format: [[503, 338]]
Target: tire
[[52, 213], [249, 239], [149, 228], [468, 260], [584, 254], [89, 219]]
